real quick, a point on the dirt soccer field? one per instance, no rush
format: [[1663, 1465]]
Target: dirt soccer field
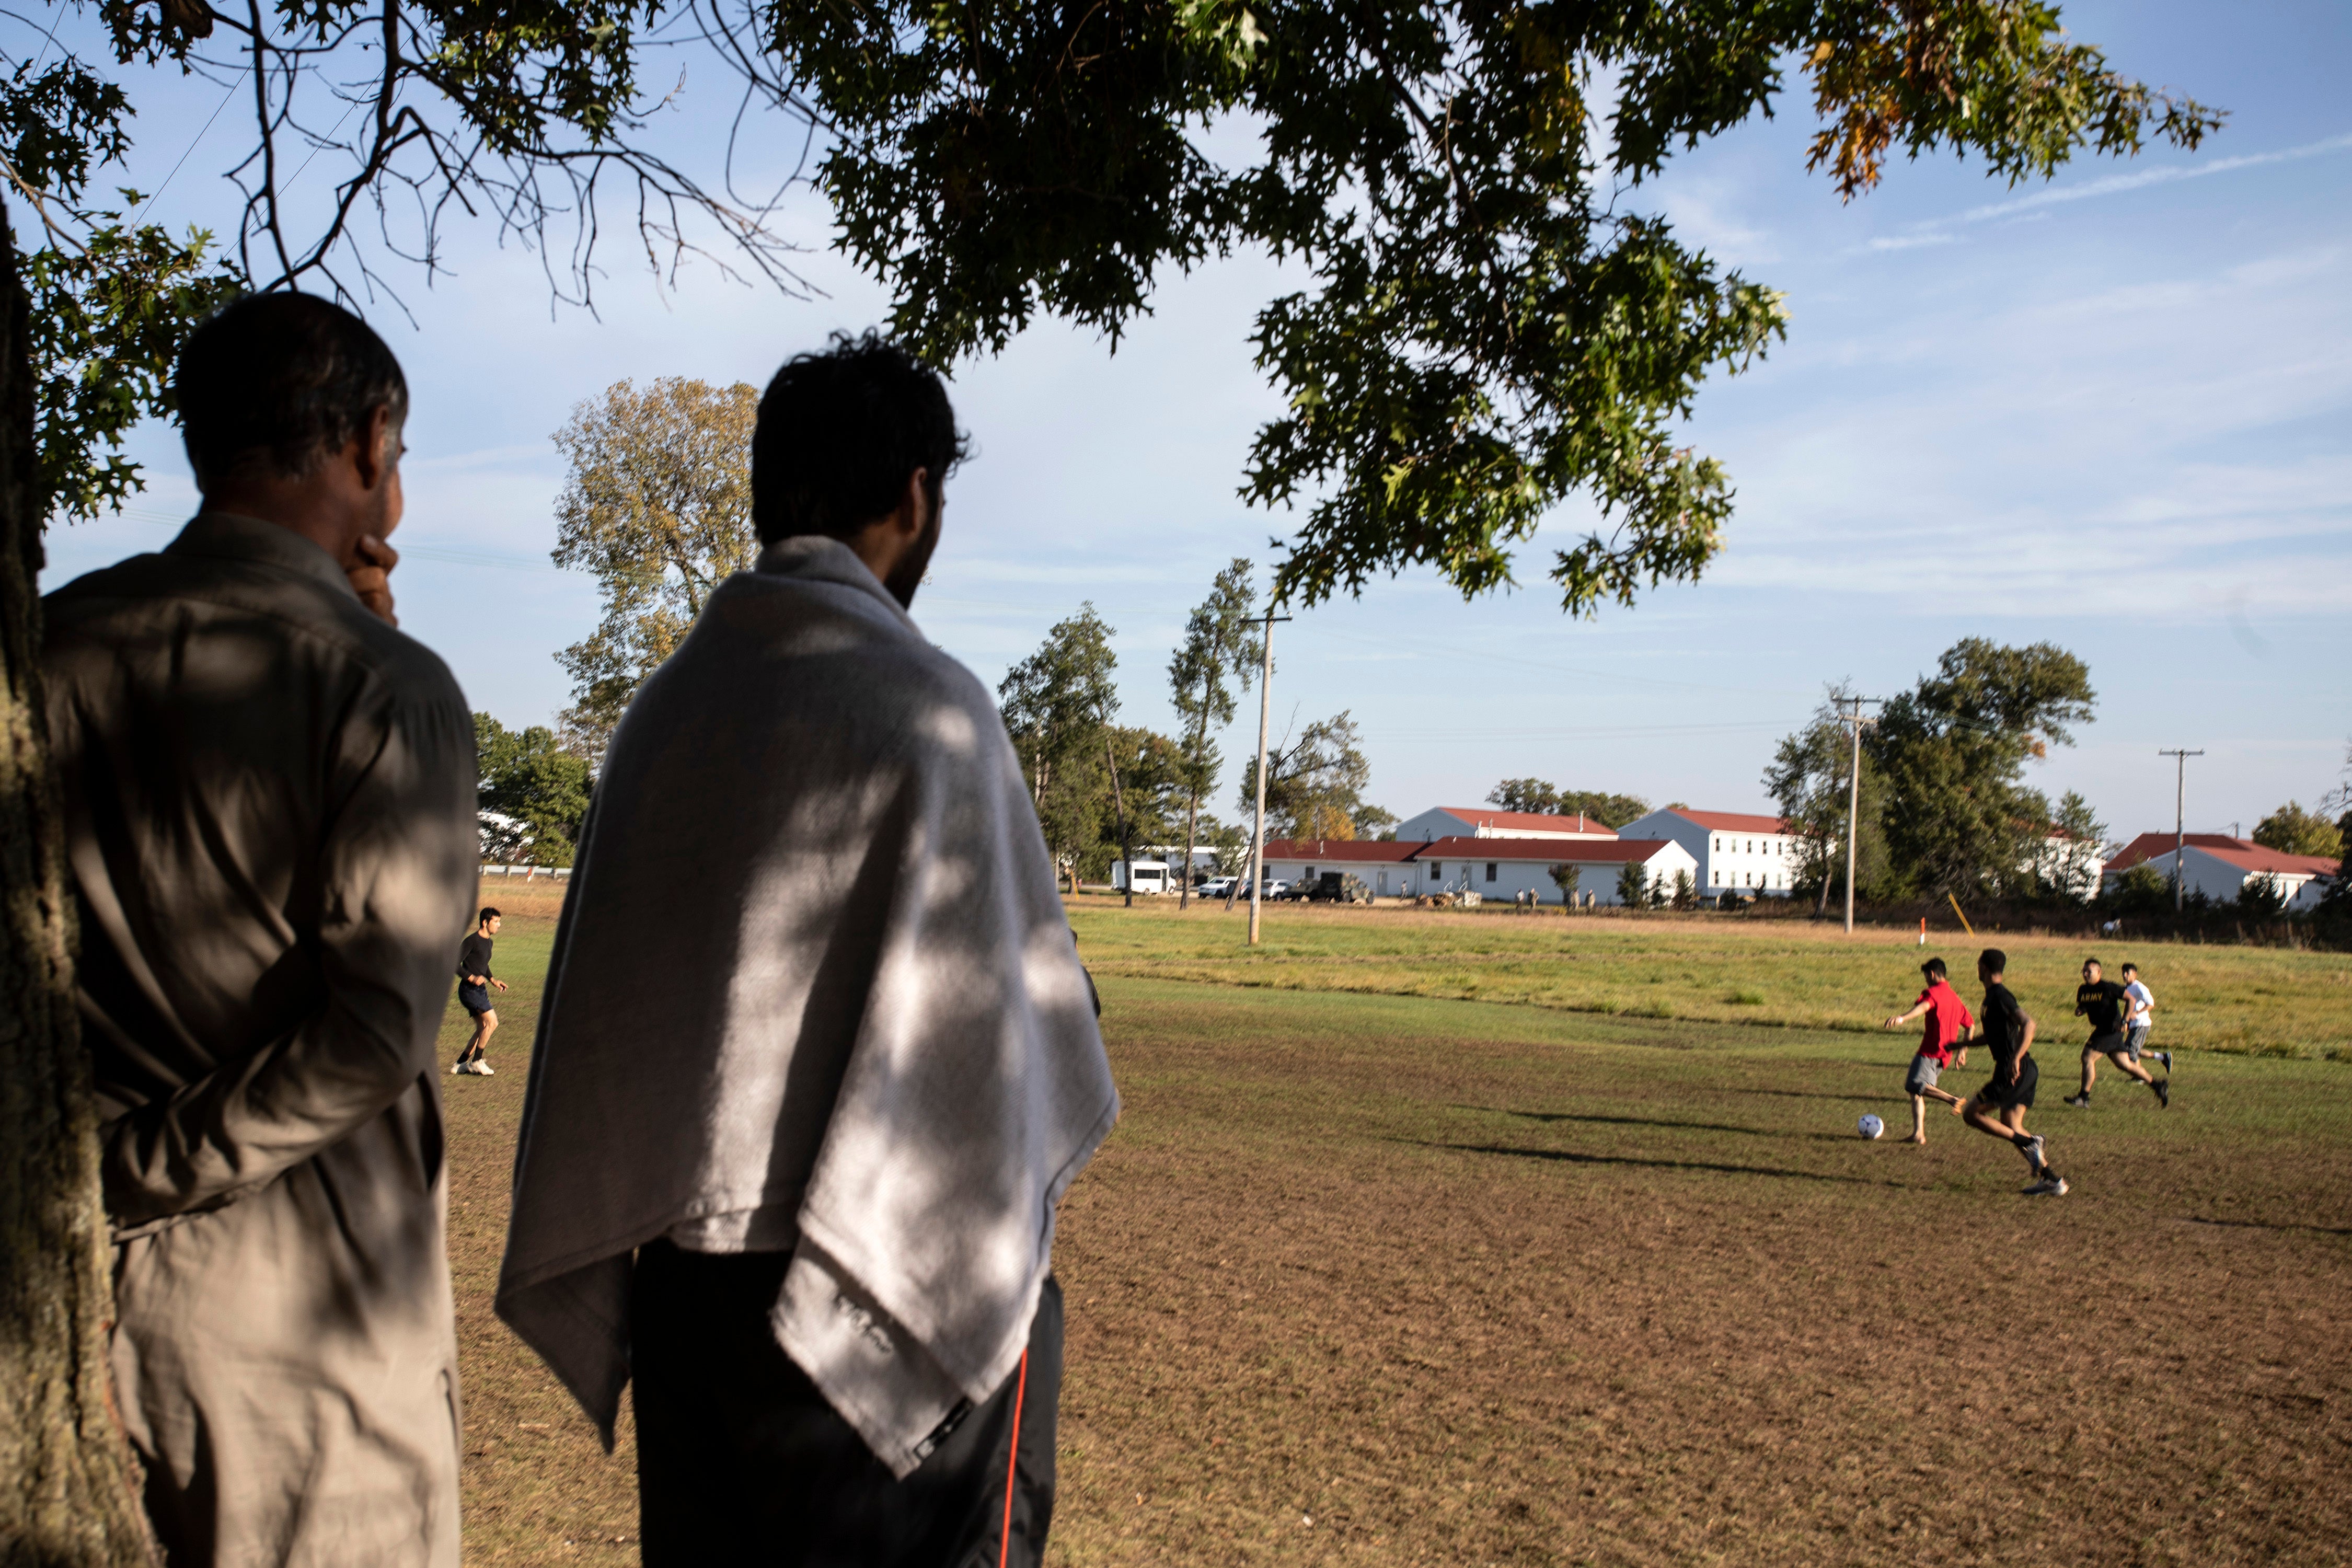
[[1388, 1279]]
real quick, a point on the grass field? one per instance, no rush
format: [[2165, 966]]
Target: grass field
[[1388, 1278], [2262, 1001]]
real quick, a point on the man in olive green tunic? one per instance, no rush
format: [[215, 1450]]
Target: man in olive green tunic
[[272, 834]]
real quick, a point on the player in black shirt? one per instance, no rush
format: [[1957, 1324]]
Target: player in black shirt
[[473, 983], [2103, 1002], [2000, 1106]]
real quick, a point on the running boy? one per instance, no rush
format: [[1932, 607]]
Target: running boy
[[2103, 1002], [2000, 1106], [1947, 1022], [2140, 1018], [473, 983]]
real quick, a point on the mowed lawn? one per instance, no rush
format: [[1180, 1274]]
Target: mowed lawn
[[1383, 1279], [1719, 969]]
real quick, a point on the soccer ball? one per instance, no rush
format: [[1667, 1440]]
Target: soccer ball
[[1870, 1127]]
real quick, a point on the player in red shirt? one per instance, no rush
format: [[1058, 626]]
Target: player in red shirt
[[1948, 1024]]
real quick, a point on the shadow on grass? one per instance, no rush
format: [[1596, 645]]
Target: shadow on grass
[[2269, 1225], [1568, 1156], [1652, 1121]]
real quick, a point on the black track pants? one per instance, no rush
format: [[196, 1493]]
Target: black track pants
[[740, 1460]]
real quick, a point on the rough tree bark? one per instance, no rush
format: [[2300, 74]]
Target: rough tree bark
[[69, 1481]]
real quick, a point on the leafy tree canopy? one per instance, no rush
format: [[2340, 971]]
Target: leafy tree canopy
[[1811, 778], [533, 793], [1533, 795], [1952, 750], [1494, 322], [1218, 658], [1058, 703], [1314, 784], [2294, 831], [658, 507]]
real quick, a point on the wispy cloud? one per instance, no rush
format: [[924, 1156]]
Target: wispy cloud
[[1939, 231]]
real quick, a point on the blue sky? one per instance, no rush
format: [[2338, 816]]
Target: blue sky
[[2114, 412]]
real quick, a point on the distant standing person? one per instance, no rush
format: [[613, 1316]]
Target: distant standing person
[[2000, 1106], [1948, 1024], [473, 983], [2103, 1002]]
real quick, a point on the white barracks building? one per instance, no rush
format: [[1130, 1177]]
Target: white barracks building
[[1734, 851]]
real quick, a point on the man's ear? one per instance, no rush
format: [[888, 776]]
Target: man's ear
[[914, 509], [379, 447]]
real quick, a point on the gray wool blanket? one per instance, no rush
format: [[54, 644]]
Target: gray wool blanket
[[813, 990]]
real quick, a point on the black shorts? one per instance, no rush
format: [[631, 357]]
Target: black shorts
[[2111, 1043], [474, 999], [2002, 1095]]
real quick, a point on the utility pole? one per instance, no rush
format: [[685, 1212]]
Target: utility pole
[[1854, 798], [1257, 833], [2180, 823]]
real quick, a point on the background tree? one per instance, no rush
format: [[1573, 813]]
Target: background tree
[[2067, 867], [1150, 774], [1219, 648], [658, 507], [1533, 795], [1953, 751], [1315, 785], [1058, 703], [1376, 822], [1493, 324], [2291, 830], [2140, 890], [1566, 877], [534, 794], [1808, 778], [1633, 884], [69, 1483]]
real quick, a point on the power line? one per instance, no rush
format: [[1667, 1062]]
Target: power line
[[175, 174]]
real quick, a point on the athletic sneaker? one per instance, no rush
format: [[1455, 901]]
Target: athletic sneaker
[[2165, 1057], [2163, 1087], [485, 1069], [2080, 1102], [2034, 1147], [2048, 1187], [461, 1067]]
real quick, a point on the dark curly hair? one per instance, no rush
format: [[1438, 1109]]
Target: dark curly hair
[[279, 381], [839, 432]]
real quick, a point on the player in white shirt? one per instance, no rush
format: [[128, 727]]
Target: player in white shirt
[[2139, 1016]]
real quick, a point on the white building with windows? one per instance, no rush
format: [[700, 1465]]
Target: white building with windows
[[1733, 850], [1480, 821], [1505, 868], [1381, 863]]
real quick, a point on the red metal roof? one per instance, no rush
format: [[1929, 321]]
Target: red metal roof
[[1527, 821], [1550, 851], [1375, 850], [1732, 821], [2244, 853]]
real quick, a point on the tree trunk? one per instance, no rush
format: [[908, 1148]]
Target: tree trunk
[[69, 1481], [1126, 843]]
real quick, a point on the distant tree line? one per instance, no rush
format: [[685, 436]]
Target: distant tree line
[[1945, 807]]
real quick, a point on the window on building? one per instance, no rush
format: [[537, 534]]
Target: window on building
[[1437, 871], [1718, 878], [1309, 876], [1490, 870], [1718, 844]]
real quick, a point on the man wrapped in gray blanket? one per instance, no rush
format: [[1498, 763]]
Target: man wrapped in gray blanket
[[817, 1059]]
